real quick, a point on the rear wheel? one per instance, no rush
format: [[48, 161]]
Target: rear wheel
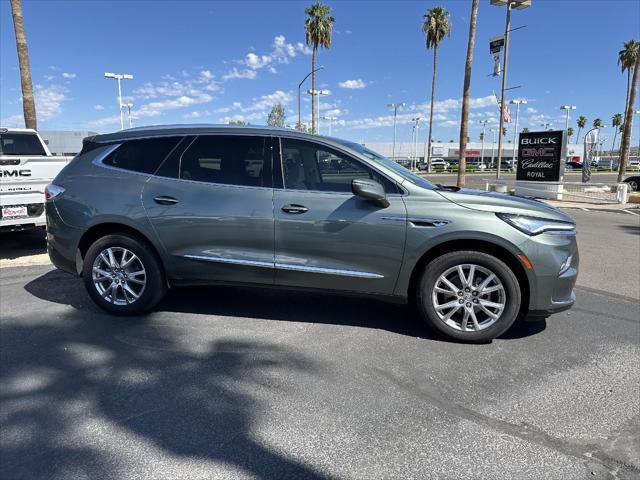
[[468, 295], [123, 275]]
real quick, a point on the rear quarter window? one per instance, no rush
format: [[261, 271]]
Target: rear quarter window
[[20, 144], [144, 156]]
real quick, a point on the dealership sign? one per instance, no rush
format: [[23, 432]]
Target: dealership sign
[[541, 156], [468, 153]]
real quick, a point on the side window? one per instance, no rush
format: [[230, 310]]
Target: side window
[[227, 159], [143, 156], [309, 166]]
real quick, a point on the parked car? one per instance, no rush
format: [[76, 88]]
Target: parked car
[[573, 165], [145, 209], [633, 182], [26, 167], [435, 162], [633, 164]]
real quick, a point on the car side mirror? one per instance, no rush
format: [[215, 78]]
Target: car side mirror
[[371, 190]]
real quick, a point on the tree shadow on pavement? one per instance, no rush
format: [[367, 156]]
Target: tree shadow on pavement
[[78, 401], [632, 229], [272, 304]]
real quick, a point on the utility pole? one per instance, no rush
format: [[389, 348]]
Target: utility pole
[[395, 107], [519, 5], [119, 77]]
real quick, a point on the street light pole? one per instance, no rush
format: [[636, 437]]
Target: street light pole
[[395, 107], [299, 86], [129, 106], [493, 145], [119, 77], [519, 5], [517, 103], [331, 119], [415, 140], [504, 84], [484, 126], [546, 126], [568, 108]]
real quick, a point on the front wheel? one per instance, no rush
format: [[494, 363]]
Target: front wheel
[[471, 296], [123, 275]]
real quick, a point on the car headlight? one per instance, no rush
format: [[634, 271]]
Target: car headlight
[[536, 226]]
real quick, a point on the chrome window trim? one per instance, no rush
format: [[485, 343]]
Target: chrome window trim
[[198, 182], [285, 266]]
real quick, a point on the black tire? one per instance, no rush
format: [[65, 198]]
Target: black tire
[[149, 295], [439, 266]]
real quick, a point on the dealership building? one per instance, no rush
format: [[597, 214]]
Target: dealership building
[[476, 152], [67, 142]]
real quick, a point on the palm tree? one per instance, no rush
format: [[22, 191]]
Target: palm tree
[[616, 121], [466, 93], [628, 119], [525, 130], [28, 103], [626, 60], [581, 122], [318, 26], [597, 123], [436, 26], [570, 133]]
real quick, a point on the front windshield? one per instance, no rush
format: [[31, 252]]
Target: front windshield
[[387, 162]]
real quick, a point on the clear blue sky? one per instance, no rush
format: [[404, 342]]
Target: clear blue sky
[[214, 61]]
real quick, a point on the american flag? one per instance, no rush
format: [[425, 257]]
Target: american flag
[[506, 112]]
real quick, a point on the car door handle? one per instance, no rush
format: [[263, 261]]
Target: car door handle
[[165, 200], [295, 209]]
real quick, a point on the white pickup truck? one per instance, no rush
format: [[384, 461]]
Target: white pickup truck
[[26, 168]]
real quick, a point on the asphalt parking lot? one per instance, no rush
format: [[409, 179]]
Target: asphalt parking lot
[[249, 383]]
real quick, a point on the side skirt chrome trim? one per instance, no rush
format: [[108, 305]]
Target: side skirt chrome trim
[[285, 266], [234, 261], [329, 271]]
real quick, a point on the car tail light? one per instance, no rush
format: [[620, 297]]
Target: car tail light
[[52, 191]]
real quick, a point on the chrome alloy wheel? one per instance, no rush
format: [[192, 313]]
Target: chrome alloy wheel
[[469, 297], [119, 276]]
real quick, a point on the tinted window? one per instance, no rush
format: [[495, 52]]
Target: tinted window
[[393, 165], [20, 144], [309, 166], [227, 159], [142, 155]]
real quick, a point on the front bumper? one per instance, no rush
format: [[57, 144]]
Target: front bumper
[[555, 261]]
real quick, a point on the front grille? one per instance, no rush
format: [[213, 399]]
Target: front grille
[[33, 210]]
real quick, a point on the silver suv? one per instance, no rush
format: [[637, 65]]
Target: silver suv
[[143, 210]]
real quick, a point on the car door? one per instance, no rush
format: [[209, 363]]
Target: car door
[[325, 237], [211, 206]]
